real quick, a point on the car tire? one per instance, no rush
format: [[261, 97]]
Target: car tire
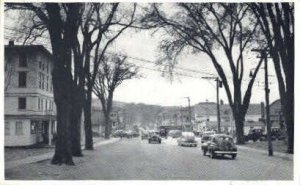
[[212, 154], [204, 152], [233, 156]]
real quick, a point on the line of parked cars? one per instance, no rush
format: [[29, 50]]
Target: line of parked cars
[[256, 134], [126, 134]]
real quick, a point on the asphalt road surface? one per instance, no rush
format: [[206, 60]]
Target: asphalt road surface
[[133, 159]]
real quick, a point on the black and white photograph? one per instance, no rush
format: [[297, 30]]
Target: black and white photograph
[[153, 91]]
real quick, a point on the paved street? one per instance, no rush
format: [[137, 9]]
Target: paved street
[[133, 159]]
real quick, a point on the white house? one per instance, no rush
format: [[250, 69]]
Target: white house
[[29, 106]]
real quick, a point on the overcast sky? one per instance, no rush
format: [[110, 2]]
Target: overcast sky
[[154, 88]]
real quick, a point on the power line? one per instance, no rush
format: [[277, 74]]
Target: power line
[[45, 43]]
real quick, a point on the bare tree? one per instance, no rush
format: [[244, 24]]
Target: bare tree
[[276, 21], [102, 24], [209, 28], [112, 73]]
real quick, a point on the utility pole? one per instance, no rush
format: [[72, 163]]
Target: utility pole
[[190, 110], [218, 85], [218, 106], [264, 55]]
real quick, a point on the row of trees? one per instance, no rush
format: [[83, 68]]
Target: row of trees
[[80, 35], [234, 29]]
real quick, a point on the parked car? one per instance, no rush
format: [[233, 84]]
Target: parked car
[[276, 133], [204, 138], [219, 144], [187, 139], [175, 133], [135, 134], [119, 133], [255, 134], [207, 133], [154, 138], [144, 136], [129, 134]]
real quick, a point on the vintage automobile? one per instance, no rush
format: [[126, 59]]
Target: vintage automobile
[[119, 133], [187, 139], [145, 135], [205, 138], [175, 133], [255, 134], [276, 133], [154, 138], [219, 144]]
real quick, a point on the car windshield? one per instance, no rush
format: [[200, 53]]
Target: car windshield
[[221, 139], [205, 138]]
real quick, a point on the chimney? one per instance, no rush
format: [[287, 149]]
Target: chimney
[[11, 43], [262, 108]]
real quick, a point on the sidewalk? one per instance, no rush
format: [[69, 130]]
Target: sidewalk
[[33, 159], [282, 155]]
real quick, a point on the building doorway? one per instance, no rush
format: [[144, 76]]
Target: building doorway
[[45, 132]]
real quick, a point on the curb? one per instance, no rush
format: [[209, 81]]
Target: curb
[[33, 159], [285, 156]]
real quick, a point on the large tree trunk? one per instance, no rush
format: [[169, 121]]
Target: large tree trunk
[[61, 87], [88, 121], [75, 126], [239, 125], [289, 118], [107, 125]]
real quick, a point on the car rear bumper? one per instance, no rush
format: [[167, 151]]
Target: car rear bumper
[[225, 152], [152, 140], [189, 143]]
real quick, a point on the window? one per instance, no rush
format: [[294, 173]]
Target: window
[[47, 67], [19, 128], [43, 66], [22, 103], [22, 60], [47, 83], [40, 64], [22, 79], [43, 81], [7, 128], [40, 80], [33, 126], [46, 104], [39, 104], [42, 104], [53, 130]]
